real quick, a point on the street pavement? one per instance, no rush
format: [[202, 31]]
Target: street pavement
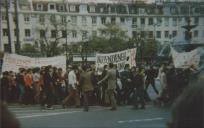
[[98, 117]]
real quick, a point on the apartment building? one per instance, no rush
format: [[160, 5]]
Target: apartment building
[[77, 20]]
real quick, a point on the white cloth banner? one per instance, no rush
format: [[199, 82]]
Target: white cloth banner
[[12, 62], [120, 58], [186, 59]]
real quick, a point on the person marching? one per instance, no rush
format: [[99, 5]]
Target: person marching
[[104, 101], [48, 88], [111, 78], [86, 85], [126, 84], [72, 88], [151, 74], [138, 83]]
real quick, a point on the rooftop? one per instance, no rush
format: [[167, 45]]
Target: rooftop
[[91, 1]]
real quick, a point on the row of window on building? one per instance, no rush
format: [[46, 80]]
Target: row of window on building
[[120, 8], [166, 34], [94, 20], [53, 33], [100, 8], [74, 33]]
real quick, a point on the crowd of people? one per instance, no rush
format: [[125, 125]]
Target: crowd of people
[[187, 110], [83, 86]]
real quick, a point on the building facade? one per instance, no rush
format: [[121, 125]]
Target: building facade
[[75, 20]]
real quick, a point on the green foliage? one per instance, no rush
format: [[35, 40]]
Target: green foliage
[[74, 47], [150, 48], [146, 50], [29, 48], [50, 48], [112, 39]]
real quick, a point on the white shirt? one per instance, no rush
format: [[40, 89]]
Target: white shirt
[[159, 73], [36, 77], [72, 79]]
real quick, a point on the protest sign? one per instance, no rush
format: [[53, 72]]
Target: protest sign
[[119, 58], [12, 62], [185, 59]]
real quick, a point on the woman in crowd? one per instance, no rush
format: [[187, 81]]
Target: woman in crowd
[[28, 79], [36, 78]]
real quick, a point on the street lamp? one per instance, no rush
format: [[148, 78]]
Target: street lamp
[[86, 51], [66, 48], [139, 45], [155, 24], [85, 45]]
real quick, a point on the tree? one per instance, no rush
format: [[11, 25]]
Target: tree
[[147, 49], [29, 50], [150, 50], [112, 39], [50, 46]]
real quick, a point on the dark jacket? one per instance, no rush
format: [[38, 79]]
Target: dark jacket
[[138, 80], [48, 81]]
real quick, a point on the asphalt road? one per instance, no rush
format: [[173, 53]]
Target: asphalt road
[[97, 117]]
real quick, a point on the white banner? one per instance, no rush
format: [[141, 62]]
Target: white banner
[[12, 62], [186, 59], [120, 58]]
